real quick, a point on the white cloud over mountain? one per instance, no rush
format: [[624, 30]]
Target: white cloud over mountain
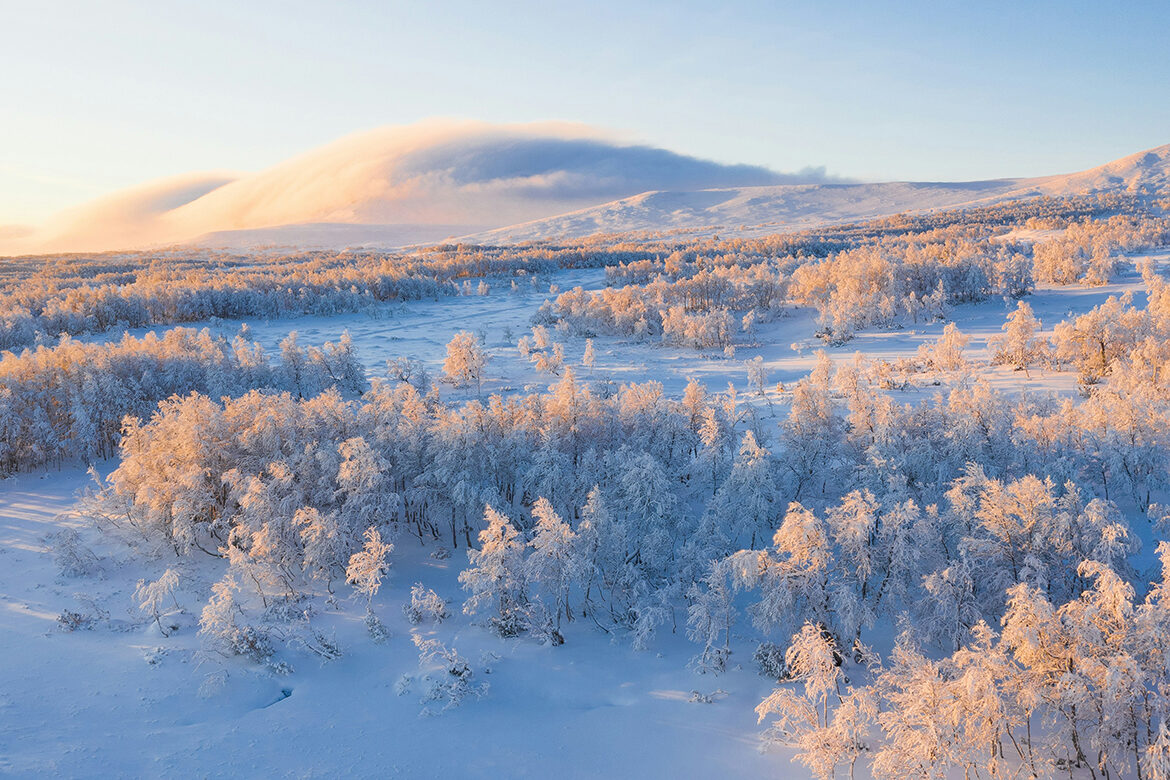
[[499, 183], [448, 176]]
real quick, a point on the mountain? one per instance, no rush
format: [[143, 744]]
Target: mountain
[[751, 209], [440, 180], [420, 182], [768, 209]]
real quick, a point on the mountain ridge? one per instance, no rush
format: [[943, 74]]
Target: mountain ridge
[[755, 210], [481, 183]]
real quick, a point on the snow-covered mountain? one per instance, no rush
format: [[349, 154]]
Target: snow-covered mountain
[[753, 209], [507, 183], [398, 185], [764, 209]]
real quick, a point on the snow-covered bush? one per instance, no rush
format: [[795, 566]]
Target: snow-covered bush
[[223, 629], [769, 658], [425, 606], [449, 679], [152, 595], [72, 556]]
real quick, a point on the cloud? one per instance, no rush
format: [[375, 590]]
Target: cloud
[[575, 167], [470, 174]]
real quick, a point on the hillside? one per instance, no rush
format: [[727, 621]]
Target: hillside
[[483, 183], [418, 182], [768, 209]]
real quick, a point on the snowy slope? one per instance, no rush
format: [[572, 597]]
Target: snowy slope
[[421, 178], [328, 235], [436, 180], [1144, 170], [765, 209], [750, 210]]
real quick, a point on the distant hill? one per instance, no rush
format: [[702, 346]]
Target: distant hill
[[768, 209], [436, 181], [417, 183]]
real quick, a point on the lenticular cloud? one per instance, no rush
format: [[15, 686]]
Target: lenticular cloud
[[463, 175]]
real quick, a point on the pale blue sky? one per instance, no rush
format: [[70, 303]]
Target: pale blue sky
[[98, 96]]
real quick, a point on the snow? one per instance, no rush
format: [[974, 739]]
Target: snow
[[426, 178], [752, 211], [761, 210], [90, 703], [421, 329], [105, 701], [442, 180]]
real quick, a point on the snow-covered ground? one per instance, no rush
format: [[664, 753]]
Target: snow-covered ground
[[787, 345], [119, 699]]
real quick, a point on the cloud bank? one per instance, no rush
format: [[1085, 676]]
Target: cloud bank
[[437, 173]]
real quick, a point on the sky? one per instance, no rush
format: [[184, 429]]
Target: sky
[[101, 96]]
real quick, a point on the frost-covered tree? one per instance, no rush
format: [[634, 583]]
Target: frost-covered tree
[[746, 506], [1020, 345], [950, 609], [465, 361], [603, 552], [827, 725], [711, 616], [1156, 761], [854, 525], [811, 437], [368, 566], [758, 376], [553, 564], [946, 354], [551, 361], [919, 739], [365, 487], [651, 511], [496, 578], [713, 439], [792, 577], [326, 547]]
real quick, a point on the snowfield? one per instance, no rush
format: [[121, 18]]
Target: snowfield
[[120, 700], [115, 697], [760, 210]]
